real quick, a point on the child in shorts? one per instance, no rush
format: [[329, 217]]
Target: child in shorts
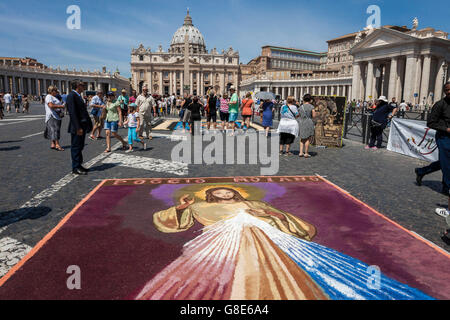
[[133, 125]]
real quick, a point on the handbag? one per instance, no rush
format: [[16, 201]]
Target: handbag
[[291, 112]]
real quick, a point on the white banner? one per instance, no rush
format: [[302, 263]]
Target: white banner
[[414, 139]]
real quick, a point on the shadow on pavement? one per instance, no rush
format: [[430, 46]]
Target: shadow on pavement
[[433, 185], [10, 217], [103, 167], [12, 141], [10, 148]]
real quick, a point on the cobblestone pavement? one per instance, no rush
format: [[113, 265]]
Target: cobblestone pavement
[[38, 190]]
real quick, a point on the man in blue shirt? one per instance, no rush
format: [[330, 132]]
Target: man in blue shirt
[[379, 122]]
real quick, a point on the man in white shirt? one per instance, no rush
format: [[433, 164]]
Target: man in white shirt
[[8, 99], [403, 107], [146, 107]]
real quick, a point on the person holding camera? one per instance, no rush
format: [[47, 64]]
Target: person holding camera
[[382, 112]]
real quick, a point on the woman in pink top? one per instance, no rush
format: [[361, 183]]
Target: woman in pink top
[[133, 97], [224, 115]]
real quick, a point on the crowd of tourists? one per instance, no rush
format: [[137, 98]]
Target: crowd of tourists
[[9, 101], [136, 112]]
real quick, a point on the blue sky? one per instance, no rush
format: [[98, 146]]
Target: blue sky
[[110, 28]]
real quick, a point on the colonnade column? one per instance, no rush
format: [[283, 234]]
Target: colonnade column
[[393, 78], [369, 81], [410, 72], [439, 80], [425, 78], [418, 77]]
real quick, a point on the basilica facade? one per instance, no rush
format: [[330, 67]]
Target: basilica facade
[[177, 70]]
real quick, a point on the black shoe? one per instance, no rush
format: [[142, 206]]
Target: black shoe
[[78, 171], [419, 177], [83, 169]]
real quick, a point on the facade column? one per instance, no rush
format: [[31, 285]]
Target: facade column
[[399, 83], [393, 78], [191, 82], [170, 82], [199, 92], [425, 86], [362, 83], [333, 92], [202, 83], [439, 80], [410, 75], [182, 83], [418, 78], [369, 81], [150, 80], [160, 83], [37, 86], [224, 87], [296, 93], [174, 88]]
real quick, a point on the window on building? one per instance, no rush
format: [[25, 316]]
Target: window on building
[[230, 60], [141, 58], [141, 74]]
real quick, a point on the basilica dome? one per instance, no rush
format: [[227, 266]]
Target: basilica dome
[[195, 38]]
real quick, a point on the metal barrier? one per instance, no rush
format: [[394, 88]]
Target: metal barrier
[[357, 125], [414, 115]]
